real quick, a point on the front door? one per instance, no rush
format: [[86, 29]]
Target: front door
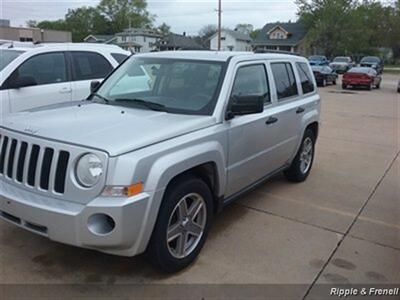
[[250, 136], [49, 82]]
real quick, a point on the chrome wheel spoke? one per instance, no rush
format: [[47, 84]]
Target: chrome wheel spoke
[[194, 229], [183, 209], [174, 232], [195, 209], [180, 246]]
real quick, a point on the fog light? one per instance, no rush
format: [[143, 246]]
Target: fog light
[[101, 224]]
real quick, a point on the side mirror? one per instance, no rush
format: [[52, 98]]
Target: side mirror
[[245, 105], [22, 81], [94, 85]]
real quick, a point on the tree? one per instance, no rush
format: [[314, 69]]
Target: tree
[[31, 23], [255, 33], [120, 12], [55, 25], [329, 23], [163, 29], [205, 33], [86, 20], [245, 28]]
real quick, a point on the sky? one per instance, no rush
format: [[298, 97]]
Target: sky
[[182, 15]]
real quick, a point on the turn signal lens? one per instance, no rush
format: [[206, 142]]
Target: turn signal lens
[[123, 191]]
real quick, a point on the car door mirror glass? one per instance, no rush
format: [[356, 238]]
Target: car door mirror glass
[[94, 85], [245, 105]]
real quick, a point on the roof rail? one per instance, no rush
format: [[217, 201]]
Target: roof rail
[[276, 52]]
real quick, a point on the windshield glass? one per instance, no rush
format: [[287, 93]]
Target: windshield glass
[[316, 57], [359, 70], [175, 85], [341, 59], [7, 56], [372, 59]]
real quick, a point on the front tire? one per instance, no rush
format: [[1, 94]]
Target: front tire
[[344, 86], [302, 163], [182, 225]]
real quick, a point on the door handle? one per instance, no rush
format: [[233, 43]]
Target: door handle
[[65, 90], [300, 110], [271, 120]]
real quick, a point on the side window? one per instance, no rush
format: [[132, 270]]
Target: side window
[[284, 80], [43, 68], [119, 57], [306, 78], [251, 80], [90, 65]]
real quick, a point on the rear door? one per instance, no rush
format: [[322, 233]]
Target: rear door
[[86, 67], [49, 72], [288, 111]]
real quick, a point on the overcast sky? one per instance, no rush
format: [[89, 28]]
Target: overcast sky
[[181, 15]]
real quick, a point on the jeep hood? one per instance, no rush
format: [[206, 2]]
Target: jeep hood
[[115, 129]]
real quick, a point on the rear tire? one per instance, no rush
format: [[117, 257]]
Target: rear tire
[[378, 86], [344, 86], [176, 227], [302, 163]]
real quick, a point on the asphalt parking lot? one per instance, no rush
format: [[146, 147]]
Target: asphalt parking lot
[[341, 226]]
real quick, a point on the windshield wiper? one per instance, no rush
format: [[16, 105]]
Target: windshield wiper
[[104, 99], [151, 105]]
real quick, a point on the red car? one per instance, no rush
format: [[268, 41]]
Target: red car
[[363, 77]]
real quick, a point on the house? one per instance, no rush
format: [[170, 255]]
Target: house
[[283, 37], [137, 39], [231, 40], [175, 42], [35, 35], [134, 39], [99, 38]]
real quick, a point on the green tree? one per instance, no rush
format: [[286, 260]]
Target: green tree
[[164, 29], [86, 20], [255, 33], [120, 12], [245, 28], [329, 22], [55, 25]]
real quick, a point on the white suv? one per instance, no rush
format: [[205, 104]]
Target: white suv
[[39, 75]]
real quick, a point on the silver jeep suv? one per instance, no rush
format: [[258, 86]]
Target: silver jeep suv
[[144, 165]]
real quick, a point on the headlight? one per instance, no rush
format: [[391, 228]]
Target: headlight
[[88, 170]]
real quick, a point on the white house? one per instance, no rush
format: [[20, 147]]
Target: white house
[[231, 40], [134, 39], [137, 39]]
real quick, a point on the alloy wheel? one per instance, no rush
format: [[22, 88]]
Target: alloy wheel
[[186, 225]]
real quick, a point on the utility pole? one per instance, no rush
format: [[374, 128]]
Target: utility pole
[[219, 24]]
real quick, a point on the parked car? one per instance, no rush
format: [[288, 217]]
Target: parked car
[[318, 60], [341, 64], [37, 75], [372, 62], [361, 77], [127, 172], [324, 75]]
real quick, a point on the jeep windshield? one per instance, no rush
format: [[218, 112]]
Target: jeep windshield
[[7, 56], [164, 84]]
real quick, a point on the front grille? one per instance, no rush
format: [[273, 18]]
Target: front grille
[[32, 164]]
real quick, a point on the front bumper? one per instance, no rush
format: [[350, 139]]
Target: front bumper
[[67, 222]]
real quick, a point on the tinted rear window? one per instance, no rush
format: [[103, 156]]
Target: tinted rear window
[[284, 80], [307, 83], [90, 65], [119, 57]]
